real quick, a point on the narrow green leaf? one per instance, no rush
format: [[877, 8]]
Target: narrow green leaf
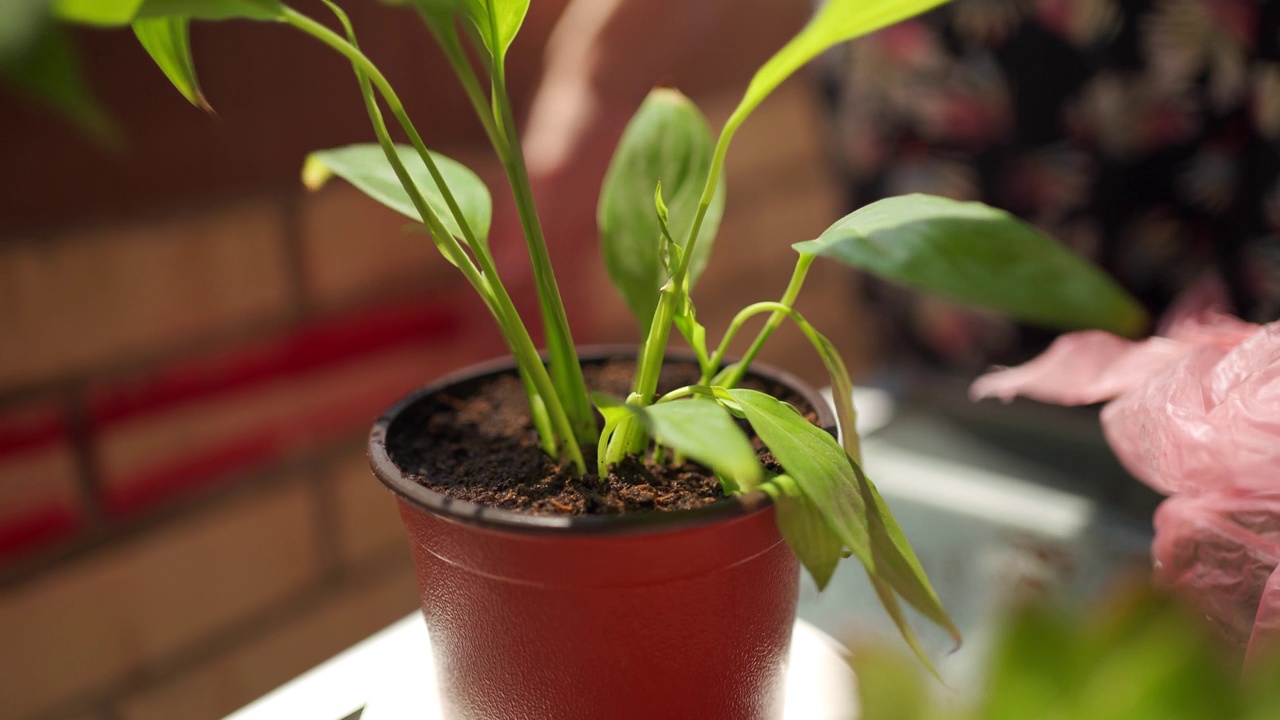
[[366, 167], [897, 563], [40, 62], [212, 9], [817, 464], [21, 24], [884, 591], [975, 254], [838, 21], [846, 500], [167, 40], [104, 13], [667, 141], [802, 525]]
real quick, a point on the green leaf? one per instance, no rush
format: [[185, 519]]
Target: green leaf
[[975, 254], [846, 500], [816, 462], [838, 21], [167, 40], [366, 167], [699, 428], [705, 431], [497, 21], [44, 67], [213, 9], [802, 525], [667, 141], [105, 13], [896, 562]]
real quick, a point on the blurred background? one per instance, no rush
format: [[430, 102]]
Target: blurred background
[[192, 349]]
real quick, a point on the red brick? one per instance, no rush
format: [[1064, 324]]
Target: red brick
[[81, 627], [151, 456], [368, 523], [39, 501], [77, 301]]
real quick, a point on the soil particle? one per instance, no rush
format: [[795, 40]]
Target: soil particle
[[477, 443]]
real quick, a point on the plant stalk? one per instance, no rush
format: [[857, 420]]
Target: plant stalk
[[731, 376], [494, 295]]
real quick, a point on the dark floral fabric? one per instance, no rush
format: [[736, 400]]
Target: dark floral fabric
[[1143, 134]]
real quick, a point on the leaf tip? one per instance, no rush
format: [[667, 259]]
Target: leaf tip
[[315, 173]]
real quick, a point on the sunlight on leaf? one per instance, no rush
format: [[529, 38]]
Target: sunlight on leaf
[[213, 9], [975, 254], [366, 167], [668, 141], [104, 13]]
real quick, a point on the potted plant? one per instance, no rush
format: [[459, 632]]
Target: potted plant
[[658, 614]]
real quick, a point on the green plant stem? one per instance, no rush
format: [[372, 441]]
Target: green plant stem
[[457, 57], [565, 366], [660, 328], [731, 376], [495, 296], [841, 385]]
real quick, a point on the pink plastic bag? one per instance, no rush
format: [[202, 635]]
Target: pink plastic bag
[[1195, 414]]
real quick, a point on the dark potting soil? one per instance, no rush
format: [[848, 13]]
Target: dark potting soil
[[476, 443]]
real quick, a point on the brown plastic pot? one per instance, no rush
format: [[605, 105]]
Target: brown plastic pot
[[640, 615]]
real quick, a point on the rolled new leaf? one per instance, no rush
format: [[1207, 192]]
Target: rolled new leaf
[[977, 255], [366, 167]]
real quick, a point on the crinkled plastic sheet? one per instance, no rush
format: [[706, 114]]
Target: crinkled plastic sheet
[[1195, 414]]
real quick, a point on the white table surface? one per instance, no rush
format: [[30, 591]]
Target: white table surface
[[391, 676]]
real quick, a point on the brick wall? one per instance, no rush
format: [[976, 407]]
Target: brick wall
[[191, 351]]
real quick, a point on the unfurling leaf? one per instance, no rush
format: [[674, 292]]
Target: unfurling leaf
[[497, 22], [667, 141], [975, 254], [686, 321], [805, 531], [167, 40], [366, 167]]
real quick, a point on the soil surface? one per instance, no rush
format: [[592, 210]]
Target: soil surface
[[477, 443]]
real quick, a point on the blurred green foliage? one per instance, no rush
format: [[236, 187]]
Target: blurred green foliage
[[1140, 656]]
